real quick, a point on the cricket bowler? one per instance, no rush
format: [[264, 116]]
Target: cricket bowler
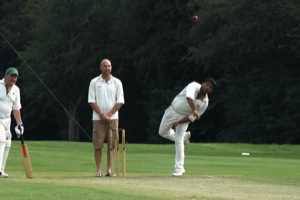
[[185, 108]]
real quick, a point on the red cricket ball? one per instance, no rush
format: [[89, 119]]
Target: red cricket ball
[[195, 18]]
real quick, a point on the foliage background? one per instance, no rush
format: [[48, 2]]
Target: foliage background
[[250, 47]]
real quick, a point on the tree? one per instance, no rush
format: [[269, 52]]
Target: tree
[[252, 45], [161, 27], [13, 26], [58, 55]]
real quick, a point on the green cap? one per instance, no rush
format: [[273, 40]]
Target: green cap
[[12, 70]]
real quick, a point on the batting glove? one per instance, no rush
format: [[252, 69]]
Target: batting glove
[[19, 129]]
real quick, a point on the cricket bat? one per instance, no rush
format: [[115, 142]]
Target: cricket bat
[[26, 159]]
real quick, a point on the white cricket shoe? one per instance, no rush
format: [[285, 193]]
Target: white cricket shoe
[[3, 175], [187, 137], [178, 173]]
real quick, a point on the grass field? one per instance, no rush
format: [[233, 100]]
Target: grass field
[[65, 170]]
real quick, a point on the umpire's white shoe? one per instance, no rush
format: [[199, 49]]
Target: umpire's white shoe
[[3, 175], [187, 137]]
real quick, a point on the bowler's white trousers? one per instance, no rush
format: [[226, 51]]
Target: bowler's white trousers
[[5, 141], [166, 131]]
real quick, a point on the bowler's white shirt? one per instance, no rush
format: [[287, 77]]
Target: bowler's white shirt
[[10, 101], [181, 105], [106, 95]]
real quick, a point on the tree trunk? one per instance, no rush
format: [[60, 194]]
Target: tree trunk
[[73, 121]]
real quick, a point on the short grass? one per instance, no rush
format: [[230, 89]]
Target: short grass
[[65, 170]]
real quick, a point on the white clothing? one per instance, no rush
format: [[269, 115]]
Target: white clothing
[[180, 108], [106, 95], [5, 141], [166, 131], [9, 101]]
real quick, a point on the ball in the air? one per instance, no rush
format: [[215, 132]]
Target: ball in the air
[[195, 18]]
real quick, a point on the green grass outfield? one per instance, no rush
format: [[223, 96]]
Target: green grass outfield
[[65, 170]]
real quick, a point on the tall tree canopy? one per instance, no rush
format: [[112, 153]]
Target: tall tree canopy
[[251, 48], [61, 55]]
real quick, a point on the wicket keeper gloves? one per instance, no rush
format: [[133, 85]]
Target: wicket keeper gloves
[[19, 129]]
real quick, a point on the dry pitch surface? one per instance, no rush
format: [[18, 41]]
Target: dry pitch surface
[[185, 187]]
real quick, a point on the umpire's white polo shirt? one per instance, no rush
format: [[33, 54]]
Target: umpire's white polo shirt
[[106, 95], [10, 101]]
